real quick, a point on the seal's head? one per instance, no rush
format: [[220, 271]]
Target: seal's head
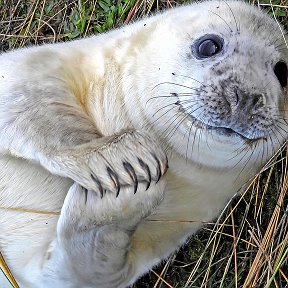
[[219, 79]]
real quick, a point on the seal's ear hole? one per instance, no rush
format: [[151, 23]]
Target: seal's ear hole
[[207, 46], [281, 72]]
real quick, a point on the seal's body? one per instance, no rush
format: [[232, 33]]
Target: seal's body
[[92, 124]]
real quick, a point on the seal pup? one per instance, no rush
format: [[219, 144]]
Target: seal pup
[[90, 126]]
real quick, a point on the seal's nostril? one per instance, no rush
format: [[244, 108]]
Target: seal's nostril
[[256, 98], [237, 97], [246, 101]]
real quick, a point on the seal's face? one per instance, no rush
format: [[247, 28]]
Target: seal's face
[[240, 94], [229, 78]]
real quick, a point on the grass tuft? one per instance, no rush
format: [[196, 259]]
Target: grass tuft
[[247, 246]]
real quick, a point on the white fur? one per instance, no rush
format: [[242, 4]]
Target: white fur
[[103, 85]]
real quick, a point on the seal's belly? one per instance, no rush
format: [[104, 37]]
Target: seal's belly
[[25, 235]]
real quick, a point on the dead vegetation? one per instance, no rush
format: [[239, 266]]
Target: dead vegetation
[[248, 245]]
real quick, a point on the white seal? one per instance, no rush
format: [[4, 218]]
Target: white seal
[[90, 127]]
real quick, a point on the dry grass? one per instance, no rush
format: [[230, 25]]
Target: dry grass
[[248, 245]]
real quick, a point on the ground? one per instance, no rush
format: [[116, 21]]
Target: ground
[[248, 245]]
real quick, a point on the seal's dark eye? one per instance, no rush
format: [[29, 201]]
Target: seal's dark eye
[[281, 72], [208, 46]]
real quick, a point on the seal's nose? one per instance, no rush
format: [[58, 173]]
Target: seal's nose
[[245, 107]]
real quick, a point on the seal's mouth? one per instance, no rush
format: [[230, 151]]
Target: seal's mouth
[[227, 132], [220, 130], [223, 131]]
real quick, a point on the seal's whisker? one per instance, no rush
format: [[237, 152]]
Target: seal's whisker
[[197, 129], [199, 140], [190, 100], [276, 41], [176, 84], [189, 131], [271, 145], [165, 135], [233, 15], [211, 132], [247, 162], [241, 158], [174, 95], [165, 113], [193, 143], [238, 151], [175, 128], [177, 116], [204, 112], [160, 96], [267, 84], [281, 47], [167, 128], [276, 137], [165, 106], [187, 94], [260, 150], [280, 130], [191, 112], [275, 108], [282, 121], [264, 141], [282, 50], [205, 85], [277, 37], [266, 145], [230, 29]]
